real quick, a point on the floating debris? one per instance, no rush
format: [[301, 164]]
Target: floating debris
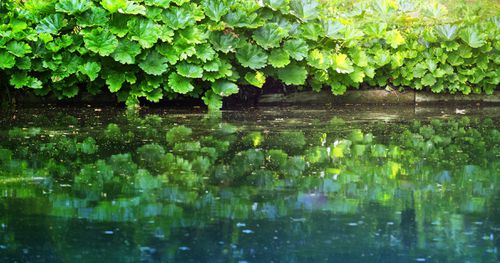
[[247, 231]]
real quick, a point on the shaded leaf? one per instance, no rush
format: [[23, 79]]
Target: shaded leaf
[[154, 64], [126, 51], [179, 83], [224, 88], [144, 31], [100, 41], [251, 56], [189, 70], [293, 74], [91, 69]]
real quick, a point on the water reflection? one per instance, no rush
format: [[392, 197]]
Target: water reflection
[[156, 188]]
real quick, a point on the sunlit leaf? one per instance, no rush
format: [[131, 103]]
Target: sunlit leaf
[[72, 6], [51, 24], [256, 79]]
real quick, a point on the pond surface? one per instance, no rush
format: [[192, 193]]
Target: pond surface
[[267, 185]]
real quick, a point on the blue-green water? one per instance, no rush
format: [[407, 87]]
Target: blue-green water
[[269, 185]]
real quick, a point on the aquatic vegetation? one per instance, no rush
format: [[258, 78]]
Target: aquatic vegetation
[[209, 49]]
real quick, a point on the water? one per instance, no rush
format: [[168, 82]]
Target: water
[[269, 185]]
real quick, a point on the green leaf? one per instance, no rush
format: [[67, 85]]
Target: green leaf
[[133, 9], [257, 78], [394, 38], [279, 58], [193, 35], [224, 88], [19, 79], [205, 52], [333, 29], [166, 34], [338, 88], [154, 64], [305, 9], [428, 80], [115, 80], [114, 5], [23, 63], [212, 100], [293, 74], [269, 36], [178, 17], [311, 31], [190, 70], [320, 59], [215, 9], [358, 75], [179, 83], [342, 64], [446, 32], [473, 38], [283, 5], [297, 48], [419, 70], [96, 16], [70, 91], [251, 56], [51, 24], [34, 83], [100, 41], [359, 57], [17, 25], [155, 95], [241, 19], [223, 42], [18, 49], [91, 69], [72, 6], [126, 51], [171, 54], [6, 60], [382, 57], [158, 3], [144, 31], [118, 25]]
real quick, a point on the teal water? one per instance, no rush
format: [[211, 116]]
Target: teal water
[[268, 185]]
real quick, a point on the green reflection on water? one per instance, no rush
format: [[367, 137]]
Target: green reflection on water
[[160, 188]]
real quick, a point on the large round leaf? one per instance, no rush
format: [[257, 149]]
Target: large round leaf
[[224, 88], [100, 41], [251, 56], [154, 64]]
